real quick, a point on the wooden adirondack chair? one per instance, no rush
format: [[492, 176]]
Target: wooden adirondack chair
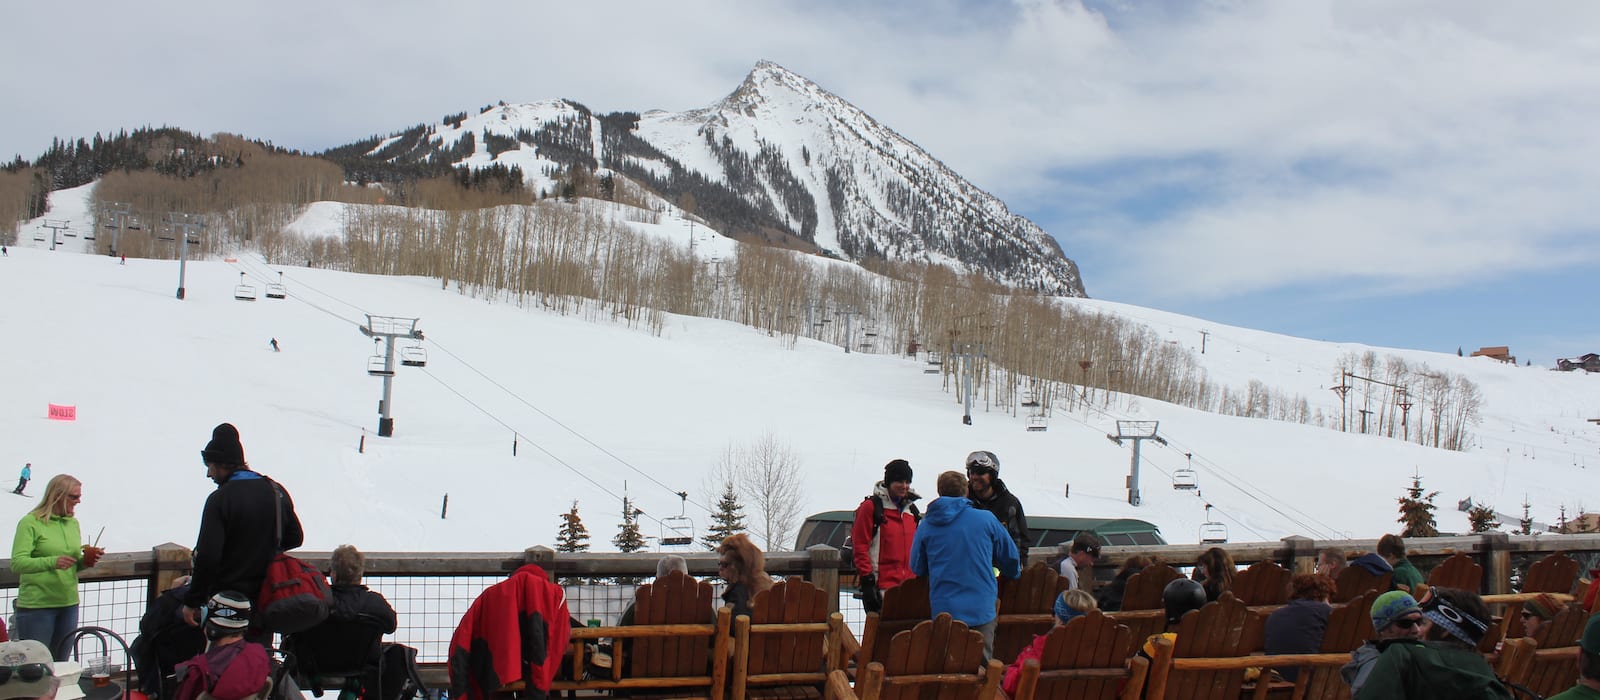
[[1354, 581], [1349, 625], [1086, 659], [939, 658], [673, 649], [1459, 571], [788, 644], [904, 606], [1553, 574], [1264, 583], [1556, 573], [1033, 594], [1552, 667], [1223, 628], [1142, 595], [674, 599]]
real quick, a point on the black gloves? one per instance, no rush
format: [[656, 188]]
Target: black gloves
[[871, 597]]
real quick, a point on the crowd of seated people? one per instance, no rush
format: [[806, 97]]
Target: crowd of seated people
[[1429, 643]]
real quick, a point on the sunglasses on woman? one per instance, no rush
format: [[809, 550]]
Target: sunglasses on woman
[[1406, 623], [28, 673]]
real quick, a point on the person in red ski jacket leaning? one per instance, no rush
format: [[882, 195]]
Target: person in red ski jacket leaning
[[516, 630], [881, 537]]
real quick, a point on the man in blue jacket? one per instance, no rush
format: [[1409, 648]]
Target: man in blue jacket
[[958, 548]]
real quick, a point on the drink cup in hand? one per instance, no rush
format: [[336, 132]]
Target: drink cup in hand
[[92, 554]]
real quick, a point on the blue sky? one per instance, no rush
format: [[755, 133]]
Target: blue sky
[[1412, 174]]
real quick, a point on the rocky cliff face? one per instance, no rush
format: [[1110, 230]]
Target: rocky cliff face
[[779, 160]]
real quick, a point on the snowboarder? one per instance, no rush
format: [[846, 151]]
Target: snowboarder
[[22, 482], [124, 258], [4, 251], [275, 345]]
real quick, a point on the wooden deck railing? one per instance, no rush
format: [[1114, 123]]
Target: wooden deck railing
[[1499, 555]]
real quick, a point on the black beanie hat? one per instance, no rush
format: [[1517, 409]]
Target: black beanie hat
[[896, 470], [224, 447]]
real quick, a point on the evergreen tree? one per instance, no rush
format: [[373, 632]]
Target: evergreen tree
[[1482, 518], [628, 538], [573, 536], [1416, 511], [1561, 522], [727, 519], [1525, 525]]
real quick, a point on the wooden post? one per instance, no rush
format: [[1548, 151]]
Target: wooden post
[[1496, 562], [825, 572], [171, 561], [544, 556], [1302, 554]]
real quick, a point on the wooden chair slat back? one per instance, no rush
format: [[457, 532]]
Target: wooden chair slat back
[[941, 646], [1263, 583], [674, 599], [1459, 571], [1553, 574], [1143, 591], [903, 607], [1354, 581], [1223, 627], [1349, 625], [1034, 593], [1090, 641], [1564, 629], [1547, 674], [789, 601]]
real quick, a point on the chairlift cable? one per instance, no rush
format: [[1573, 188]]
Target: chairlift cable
[[535, 444], [563, 426]]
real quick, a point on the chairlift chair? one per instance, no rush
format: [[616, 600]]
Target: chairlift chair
[[1037, 424], [1212, 531], [244, 292], [1185, 478], [677, 531], [38, 235], [275, 290], [414, 356], [376, 366]]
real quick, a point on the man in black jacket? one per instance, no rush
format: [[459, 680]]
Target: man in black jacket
[[240, 526], [988, 492]]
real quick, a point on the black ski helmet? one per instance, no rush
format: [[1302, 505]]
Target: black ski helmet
[[1180, 596]]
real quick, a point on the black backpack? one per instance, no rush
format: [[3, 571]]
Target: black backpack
[[399, 679]]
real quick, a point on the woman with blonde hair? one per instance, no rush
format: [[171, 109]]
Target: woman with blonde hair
[[47, 553], [1071, 604], [741, 563]]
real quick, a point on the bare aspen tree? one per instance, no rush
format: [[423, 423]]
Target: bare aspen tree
[[767, 474]]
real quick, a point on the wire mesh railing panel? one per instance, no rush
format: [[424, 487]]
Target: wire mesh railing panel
[[115, 604], [429, 608]]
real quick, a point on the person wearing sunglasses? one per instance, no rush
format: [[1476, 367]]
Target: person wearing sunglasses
[[988, 492], [1446, 662], [1395, 615], [47, 553], [28, 672]]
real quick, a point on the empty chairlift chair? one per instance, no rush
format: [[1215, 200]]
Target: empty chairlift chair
[[276, 290], [1212, 531], [1037, 424], [414, 356], [244, 292], [377, 366]]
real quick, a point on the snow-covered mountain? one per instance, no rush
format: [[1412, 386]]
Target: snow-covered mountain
[[780, 160]]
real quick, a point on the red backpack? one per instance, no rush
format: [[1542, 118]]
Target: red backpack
[[294, 595]]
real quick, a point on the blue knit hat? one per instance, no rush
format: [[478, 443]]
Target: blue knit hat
[[1392, 606], [1065, 612]]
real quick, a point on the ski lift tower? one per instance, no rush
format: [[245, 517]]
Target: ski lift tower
[[1138, 431], [387, 328], [185, 225], [118, 216]]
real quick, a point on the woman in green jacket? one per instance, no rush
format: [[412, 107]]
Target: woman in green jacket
[[47, 554]]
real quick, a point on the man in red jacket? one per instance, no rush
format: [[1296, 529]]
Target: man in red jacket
[[515, 631], [881, 537]]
